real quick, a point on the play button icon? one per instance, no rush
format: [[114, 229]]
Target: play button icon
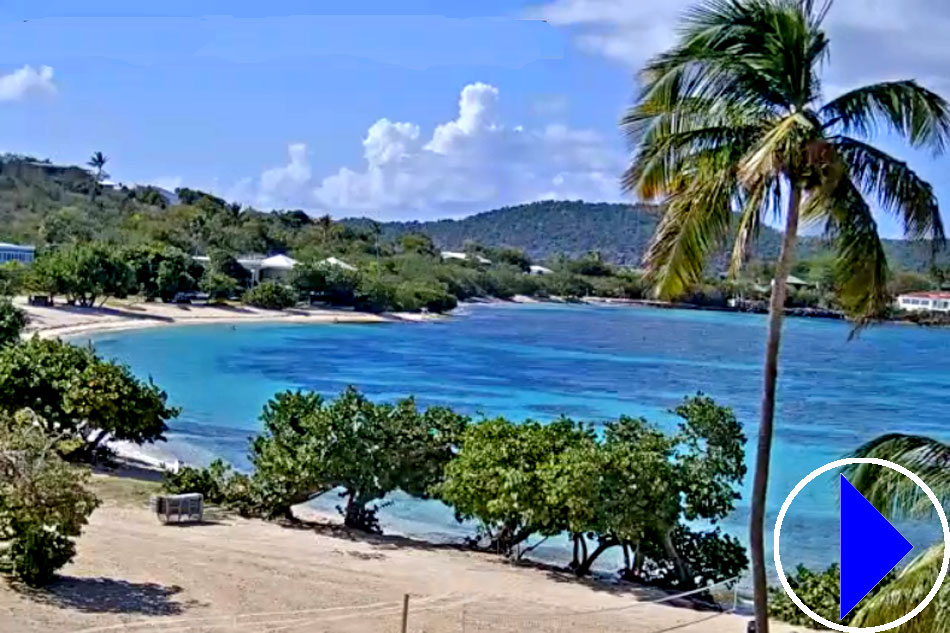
[[870, 547]]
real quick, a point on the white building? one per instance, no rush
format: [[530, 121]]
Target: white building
[[924, 302], [339, 263], [16, 253], [464, 257], [275, 267], [540, 270]]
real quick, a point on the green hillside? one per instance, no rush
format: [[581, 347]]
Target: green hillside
[[619, 232], [46, 204]]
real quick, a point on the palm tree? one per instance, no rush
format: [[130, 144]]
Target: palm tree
[[896, 496], [325, 222], [730, 128], [98, 162]]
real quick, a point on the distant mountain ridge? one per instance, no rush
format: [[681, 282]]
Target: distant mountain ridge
[[620, 232]]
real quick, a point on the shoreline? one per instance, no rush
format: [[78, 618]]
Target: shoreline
[[63, 321]]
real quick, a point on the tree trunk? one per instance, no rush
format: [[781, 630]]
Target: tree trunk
[[589, 561], [683, 571], [352, 517], [764, 450]]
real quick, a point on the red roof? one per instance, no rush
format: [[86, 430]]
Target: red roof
[[928, 295]]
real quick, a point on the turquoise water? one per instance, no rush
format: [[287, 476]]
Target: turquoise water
[[591, 363]]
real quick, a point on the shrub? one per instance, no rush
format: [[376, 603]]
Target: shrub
[[271, 295], [12, 322], [37, 552], [374, 295], [412, 296], [218, 484], [43, 500]]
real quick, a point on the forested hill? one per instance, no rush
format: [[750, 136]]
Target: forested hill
[[619, 232], [46, 205]]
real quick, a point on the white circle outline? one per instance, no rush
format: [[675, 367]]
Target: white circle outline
[[943, 523]]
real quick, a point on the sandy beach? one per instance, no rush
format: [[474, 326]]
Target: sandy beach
[[133, 574], [65, 321]]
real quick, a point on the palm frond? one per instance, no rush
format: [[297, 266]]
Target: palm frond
[[695, 222], [902, 594], [921, 116], [897, 187], [762, 197], [893, 494], [777, 149], [861, 263]]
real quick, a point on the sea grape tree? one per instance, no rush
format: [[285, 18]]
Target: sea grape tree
[[82, 399], [311, 446]]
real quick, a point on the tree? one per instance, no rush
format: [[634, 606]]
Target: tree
[[310, 278], [498, 478], [98, 162], [311, 446], [730, 118], [69, 225], [218, 286], [160, 272], [44, 502], [13, 278], [84, 274], [225, 263], [418, 243], [635, 487], [82, 400], [12, 322]]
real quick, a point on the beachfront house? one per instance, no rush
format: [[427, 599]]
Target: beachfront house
[[924, 302], [797, 283], [261, 268], [277, 267], [17, 253]]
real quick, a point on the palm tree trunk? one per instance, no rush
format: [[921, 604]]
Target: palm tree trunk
[[764, 450]]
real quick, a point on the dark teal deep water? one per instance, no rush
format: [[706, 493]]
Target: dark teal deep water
[[591, 363]]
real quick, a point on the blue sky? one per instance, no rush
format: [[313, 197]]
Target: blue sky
[[395, 109]]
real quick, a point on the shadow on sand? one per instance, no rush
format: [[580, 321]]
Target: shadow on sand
[[128, 313], [559, 574], [106, 595]]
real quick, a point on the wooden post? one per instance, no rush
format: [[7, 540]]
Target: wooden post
[[405, 613]]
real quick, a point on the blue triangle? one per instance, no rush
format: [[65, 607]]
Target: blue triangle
[[870, 547]]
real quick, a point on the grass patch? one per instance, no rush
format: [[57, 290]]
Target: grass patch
[[123, 490]]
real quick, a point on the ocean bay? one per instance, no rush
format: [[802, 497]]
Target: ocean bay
[[541, 361]]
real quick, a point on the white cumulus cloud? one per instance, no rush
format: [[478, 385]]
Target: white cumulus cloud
[[281, 186], [872, 40], [25, 82], [472, 163]]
